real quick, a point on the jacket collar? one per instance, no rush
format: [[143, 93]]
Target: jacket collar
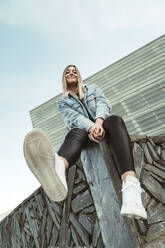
[[67, 93]]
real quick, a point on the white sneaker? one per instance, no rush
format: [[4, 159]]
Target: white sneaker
[[132, 205], [48, 167]]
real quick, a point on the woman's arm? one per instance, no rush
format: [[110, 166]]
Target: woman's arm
[[97, 132], [103, 108], [72, 117]]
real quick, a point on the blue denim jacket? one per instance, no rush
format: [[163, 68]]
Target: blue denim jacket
[[74, 113]]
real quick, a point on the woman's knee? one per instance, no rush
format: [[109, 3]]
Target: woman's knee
[[113, 120], [74, 142], [78, 131], [77, 134]]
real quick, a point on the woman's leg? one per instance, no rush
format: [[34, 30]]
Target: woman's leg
[[74, 141], [117, 134], [50, 171]]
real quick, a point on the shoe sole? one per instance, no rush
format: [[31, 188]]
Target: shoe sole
[[39, 155], [134, 213]]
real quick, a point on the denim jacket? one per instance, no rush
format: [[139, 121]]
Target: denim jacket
[[74, 113]]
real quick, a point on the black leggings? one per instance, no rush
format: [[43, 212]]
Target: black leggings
[[115, 133]]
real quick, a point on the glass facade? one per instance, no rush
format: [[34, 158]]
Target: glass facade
[[135, 88]]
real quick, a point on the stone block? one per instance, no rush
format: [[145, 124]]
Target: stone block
[[152, 151], [163, 154], [156, 214], [138, 155], [81, 201], [158, 243], [153, 186], [155, 231], [155, 170], [158, 139], [147, 153]]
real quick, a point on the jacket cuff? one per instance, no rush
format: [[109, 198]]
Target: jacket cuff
[[102, 116], [88, 124]]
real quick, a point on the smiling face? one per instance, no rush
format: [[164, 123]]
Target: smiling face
[[71, 75]]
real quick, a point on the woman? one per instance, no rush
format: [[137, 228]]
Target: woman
[[87, 115]]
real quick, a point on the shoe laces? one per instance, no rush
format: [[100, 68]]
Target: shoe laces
[[136, 186]]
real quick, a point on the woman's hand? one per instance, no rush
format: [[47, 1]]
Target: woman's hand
[[92, 138], [97, 132]]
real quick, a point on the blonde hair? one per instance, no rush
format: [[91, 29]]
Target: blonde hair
[[79, 84]]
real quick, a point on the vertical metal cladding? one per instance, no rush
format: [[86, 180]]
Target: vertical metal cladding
[[134, 86]]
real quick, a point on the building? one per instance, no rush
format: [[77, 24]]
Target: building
[[135, 88]]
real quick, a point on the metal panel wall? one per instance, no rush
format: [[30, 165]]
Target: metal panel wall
[[134, 86]]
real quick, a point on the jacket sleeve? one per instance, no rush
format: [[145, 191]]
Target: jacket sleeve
[[72, 118], [103, 108]]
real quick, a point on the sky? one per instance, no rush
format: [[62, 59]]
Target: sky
[[38, 39]]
